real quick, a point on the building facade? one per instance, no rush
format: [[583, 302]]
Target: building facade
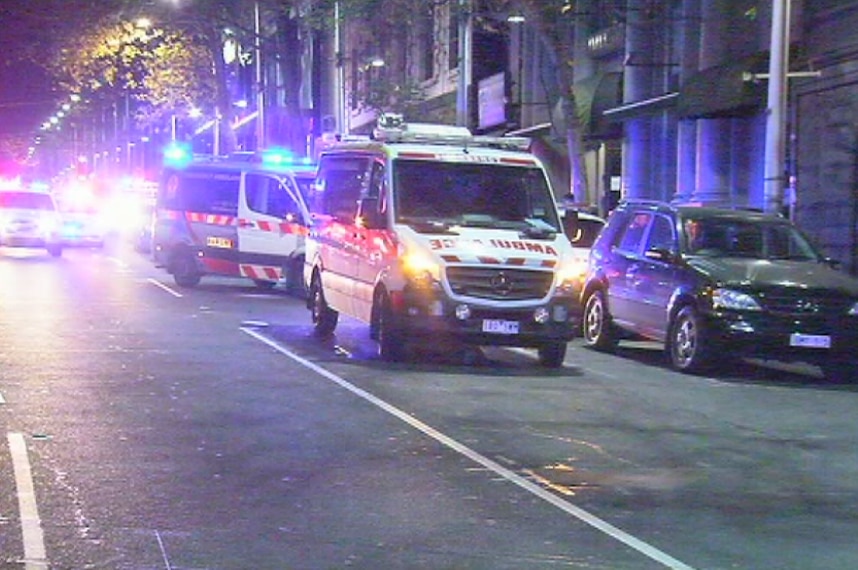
[[671, 97]]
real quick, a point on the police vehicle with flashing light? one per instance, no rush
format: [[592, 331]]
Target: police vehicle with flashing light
[[229, 216], [427, 232]]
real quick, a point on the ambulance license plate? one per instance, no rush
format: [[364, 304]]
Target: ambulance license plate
[[810, 340], [498, 326], [213, 241]]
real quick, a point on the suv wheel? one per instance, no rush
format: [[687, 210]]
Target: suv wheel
[[597, 330], [324, 317], [687, 345]]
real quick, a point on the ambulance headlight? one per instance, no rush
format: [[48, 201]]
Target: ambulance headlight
[[571, 273], [420, 269]]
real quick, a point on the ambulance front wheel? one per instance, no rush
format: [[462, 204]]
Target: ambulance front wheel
[[184, 270], [391, 346], [324, 317], [552, 355]]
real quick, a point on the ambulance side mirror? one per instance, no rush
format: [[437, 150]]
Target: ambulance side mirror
[[368, 215]]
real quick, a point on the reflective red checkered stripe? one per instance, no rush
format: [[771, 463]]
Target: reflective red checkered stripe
[[510, 261], [279, 227], [213, 219], [263, 272]]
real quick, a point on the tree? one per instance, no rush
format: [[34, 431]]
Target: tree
[[554, 24]]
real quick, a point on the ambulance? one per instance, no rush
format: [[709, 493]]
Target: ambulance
[[428, 233], [230, 217]]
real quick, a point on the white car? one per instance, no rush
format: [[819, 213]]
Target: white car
[[30, 219]]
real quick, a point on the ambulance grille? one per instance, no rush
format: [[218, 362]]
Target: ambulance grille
[[499, 283]]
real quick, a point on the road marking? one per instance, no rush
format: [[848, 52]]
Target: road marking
[[585, 516], [35, 557], [157, 283], [2, 400]]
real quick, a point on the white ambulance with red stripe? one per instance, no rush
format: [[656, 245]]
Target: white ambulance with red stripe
[[230, 217], [428, 233]]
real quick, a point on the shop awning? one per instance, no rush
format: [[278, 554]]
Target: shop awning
[[724, 91], [593, 96]]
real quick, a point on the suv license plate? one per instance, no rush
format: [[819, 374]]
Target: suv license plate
[[810, 340], [497, 326]]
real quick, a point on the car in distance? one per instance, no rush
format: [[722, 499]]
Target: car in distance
[[30, 219], [714, 284]]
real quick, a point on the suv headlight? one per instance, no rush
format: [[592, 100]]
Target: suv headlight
[[730, 299]]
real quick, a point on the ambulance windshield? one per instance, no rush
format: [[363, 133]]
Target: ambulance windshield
[[473, 194]]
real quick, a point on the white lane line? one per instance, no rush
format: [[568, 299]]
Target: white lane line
[[163, 551], [585, 516], [2, 400], [35, 557], [157, 283]]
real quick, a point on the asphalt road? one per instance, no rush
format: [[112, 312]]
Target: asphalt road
[[151, 427]]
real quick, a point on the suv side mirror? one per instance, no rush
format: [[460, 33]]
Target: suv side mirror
[[368, 215]]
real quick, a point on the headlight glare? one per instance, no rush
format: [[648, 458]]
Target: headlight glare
[[736, 300]]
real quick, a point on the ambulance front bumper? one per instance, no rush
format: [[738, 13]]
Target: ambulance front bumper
[[555, 320]]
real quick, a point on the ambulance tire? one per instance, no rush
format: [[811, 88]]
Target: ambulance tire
[[552, 355], [324, 318], [263, 285], [391, 344], [184, 270]]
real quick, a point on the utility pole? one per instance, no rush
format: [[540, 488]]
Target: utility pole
[[774, 173], [464, 83]]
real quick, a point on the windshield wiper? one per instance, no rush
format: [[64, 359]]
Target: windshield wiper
[[426, 225]]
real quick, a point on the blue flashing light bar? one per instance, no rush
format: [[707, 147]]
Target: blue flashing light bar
[[177, 155]]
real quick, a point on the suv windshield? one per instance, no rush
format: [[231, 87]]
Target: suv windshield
[[456, 193], [747, 238]]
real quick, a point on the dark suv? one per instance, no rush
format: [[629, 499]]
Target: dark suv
[[715, 284]]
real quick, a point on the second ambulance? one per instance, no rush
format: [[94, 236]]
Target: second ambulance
[[428, 233]]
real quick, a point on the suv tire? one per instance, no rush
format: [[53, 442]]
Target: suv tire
[[597, 330], [688, 346]]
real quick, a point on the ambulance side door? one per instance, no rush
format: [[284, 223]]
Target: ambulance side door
[[372, 243], [340, 183], [271, 225]]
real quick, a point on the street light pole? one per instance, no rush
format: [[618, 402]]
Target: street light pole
[[464, 83], [774, 174], [260, 86]]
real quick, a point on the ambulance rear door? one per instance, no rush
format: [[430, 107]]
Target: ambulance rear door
[[272, 225]]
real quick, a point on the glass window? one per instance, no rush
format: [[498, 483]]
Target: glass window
[[472, 194], [268, 195], [26, 200], [661, 235], [633, 234], [341, 183], [203, 192]]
